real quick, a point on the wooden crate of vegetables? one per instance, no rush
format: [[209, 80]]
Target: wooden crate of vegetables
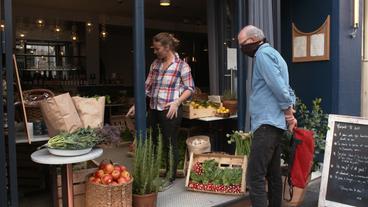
[[199, 109], [216, 173]]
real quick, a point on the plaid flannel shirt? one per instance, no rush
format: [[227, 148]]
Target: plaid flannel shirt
[[165, 86]]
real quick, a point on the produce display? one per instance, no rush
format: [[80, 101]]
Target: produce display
[[200, 104], [199, 109], [83, 138], [110, 174], [208, 176]]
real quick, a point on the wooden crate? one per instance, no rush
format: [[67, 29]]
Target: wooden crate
[[225, 161], [79, 180], [191, 113]]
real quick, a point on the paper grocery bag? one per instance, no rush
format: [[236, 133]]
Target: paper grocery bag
[[60, 114], [91, 110]]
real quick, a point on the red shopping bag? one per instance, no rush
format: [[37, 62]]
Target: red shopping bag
[[301, 158]]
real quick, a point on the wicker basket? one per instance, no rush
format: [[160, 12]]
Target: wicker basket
[[32, 99], [98, 195], [232, 105]]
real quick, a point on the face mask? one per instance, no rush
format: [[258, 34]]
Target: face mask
[[251, 49]]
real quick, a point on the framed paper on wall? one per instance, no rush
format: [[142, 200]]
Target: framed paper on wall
[[312, 46]]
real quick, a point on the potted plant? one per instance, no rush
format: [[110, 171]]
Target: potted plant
[[242, 142], [146, 173], [230, 102]]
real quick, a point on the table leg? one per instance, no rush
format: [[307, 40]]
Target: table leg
[[54, 188], [67, 175]]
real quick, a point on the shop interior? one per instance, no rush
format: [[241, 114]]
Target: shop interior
[[86, 48]]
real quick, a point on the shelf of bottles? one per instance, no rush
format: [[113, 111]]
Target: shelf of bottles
[[50, 64]]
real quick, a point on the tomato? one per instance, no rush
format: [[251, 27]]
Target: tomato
[[102, 166], [117, 167], [114, 183], [122, 168], [97, 180], [115, 174], [122, 180], [92, 179], [106, 179], [99, 174], [108, 168], [125, 174]]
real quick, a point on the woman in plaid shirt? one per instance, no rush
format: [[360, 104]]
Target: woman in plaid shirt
[[169, 83]]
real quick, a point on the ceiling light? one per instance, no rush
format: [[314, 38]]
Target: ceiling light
[[57, 29], [89, 26], [74, 38], [164, 2], [40, 23], [104, 34], [22, 35]]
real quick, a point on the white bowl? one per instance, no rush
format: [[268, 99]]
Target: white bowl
[[69, 153]]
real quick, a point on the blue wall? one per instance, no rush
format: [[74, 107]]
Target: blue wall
[[334, 81]]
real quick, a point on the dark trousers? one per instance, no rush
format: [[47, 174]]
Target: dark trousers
[[170, 132], [264, 164]]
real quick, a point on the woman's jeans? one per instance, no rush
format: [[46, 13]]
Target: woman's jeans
[[170, 132]]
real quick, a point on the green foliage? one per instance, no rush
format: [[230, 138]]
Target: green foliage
[[228, 95], [242, 142], [232, 176], [315, 120], [147, 162], [83, 138]]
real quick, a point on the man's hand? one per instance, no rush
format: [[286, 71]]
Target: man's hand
[[292, 123], [173, 109], [290, 119], [131, 111]]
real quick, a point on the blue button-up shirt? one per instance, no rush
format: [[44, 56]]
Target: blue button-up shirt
[[271, 93]]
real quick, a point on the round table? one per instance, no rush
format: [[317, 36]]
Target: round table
[[43, 156]]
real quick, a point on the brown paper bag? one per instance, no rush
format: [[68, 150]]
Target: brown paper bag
[[298, 194], [91, 110], [60, 114]]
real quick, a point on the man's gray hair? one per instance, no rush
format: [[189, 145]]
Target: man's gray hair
[[252, 31]]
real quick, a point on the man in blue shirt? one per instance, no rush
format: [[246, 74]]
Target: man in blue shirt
[[271, 110]]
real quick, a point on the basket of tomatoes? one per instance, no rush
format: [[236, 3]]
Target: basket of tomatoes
[[109, 186]]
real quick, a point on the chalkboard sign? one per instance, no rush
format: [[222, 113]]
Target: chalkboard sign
[[345, 169]]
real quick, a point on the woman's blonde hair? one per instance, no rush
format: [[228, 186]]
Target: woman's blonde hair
[[167, 39]]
